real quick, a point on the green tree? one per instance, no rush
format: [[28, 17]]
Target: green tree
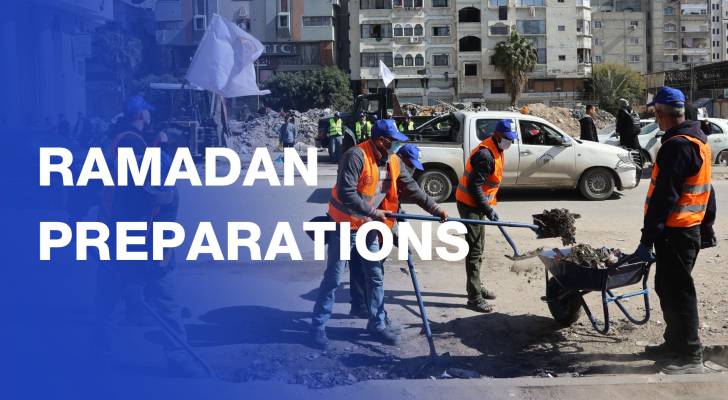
[[515, 58], [118, 51], [321, 88], [611, 82]]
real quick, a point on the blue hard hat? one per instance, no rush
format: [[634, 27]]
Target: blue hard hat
[[412, 153], [136, 104], [387, 127], [669, 96], [505, 127]]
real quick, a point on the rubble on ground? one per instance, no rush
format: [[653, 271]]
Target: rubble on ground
[[560, 223], [263, 130], [568, 119], [588, 256]]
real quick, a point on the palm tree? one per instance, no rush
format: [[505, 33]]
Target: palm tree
[[515, 58]]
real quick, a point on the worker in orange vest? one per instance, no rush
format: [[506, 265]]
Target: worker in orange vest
[[369, 184], [678, 221], [476, 196]]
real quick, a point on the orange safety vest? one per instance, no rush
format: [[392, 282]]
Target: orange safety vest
[[693, 202], [368, 187], [492, 184]]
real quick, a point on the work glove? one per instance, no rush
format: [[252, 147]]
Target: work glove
[[491, 215], [643, 253], [379, 215]]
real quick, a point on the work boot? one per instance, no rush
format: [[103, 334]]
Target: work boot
[[358, 312], [319, 339], [684, 366], [480, 305], [487, 294], [386, 335], [659, 350]]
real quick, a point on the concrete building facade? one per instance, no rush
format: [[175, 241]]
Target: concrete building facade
[[619, 29], [442, 49], [298, 34], [49, 42]]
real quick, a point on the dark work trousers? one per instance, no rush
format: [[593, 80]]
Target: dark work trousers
[[475, 236], [676, 250], [357, 285]]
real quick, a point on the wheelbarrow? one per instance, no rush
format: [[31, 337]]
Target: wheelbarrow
[[569, 282]]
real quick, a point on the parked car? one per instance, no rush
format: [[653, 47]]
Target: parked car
[[650, 140], [543, 157]]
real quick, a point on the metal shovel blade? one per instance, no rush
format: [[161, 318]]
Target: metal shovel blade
[[526, 255]]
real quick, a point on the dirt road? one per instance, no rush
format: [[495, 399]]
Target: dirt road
[[251, 322]]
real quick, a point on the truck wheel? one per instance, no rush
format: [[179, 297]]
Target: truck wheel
[[597, 184], [565, 309], [722, 158], [436, 183]]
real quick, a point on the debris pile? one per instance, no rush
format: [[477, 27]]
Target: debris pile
[[568, 119], [587, 256], [560, 223], [263, 130]]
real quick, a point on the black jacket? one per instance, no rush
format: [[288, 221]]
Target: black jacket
[[626, 129], [588, 129], [678, 159]]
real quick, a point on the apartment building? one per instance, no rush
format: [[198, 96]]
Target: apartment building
[[681, 34], [619, 29], [298, 35], [442, 49]]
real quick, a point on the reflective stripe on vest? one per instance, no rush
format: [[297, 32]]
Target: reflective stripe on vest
[[492, 182], [369, 183], [335, 127], [693, 202]]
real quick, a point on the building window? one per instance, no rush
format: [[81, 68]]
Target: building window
[[671, 44], [318, 21], [531, 27], [497, 86], [419, 30], [408, 30], [469, 43], [498, 29], [597, 42], [597, 24], [469, 14], [439, 3], [498, 3], [419, 60], [598, 59], [670, 28], [371, 60], [440, 60], [440, 31], [409, 61], [471, 69], [539, 43], [668, 11], [376, 31], [634, 59], [634, 41], [530, 3], [398, 60], [562, 57], [582, 27], [398, 31], [375, 4], [283, 4], [562, 28], [634, 24], [283, 21]]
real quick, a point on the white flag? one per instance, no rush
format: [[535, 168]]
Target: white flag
[[385, 73], [224, 61]]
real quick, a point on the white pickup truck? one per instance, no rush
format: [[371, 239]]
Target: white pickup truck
[[543, 157]]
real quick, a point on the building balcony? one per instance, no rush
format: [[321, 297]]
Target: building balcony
[[583, 69], [695, 51]]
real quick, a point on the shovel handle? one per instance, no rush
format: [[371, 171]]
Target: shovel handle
[[463, 220]]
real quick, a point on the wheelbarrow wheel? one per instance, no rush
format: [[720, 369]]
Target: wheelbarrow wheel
[[565, 308]]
